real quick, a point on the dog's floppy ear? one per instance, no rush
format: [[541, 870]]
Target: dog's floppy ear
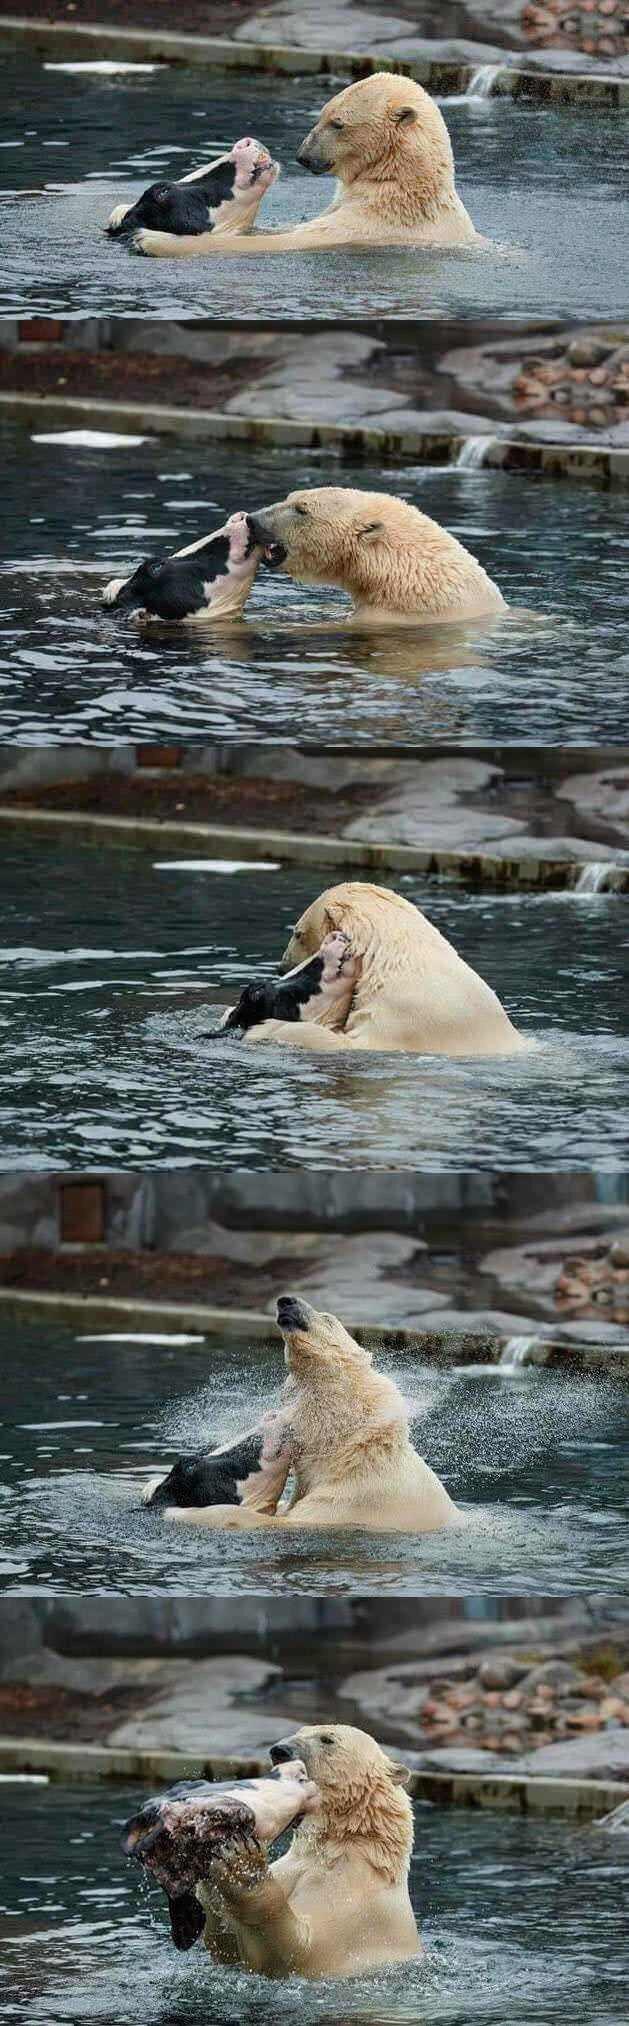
[[400, 1775], [406, 118]]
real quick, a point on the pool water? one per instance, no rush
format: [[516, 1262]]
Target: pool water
[[89, 142], [521, 1920], [555, 670], [112, 965], [537, 1460]]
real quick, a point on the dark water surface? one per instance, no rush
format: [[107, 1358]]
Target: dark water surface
[[537, 1460], [546, 187], [105, 1059], [521, 1920], [556, 671]]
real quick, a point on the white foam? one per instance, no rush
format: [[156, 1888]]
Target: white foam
[[482, 81], [595, 877], [106, 67], [24, 1779], [516, 1352], [133, 1337], [216, 865], [89, 439], [472, 452]]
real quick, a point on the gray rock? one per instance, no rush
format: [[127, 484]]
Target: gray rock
[[500, 1670], [588, 351], [601, 1755], [466, 1760], [557, 1674]]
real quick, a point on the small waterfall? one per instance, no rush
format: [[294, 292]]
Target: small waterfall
[[472, 452], [596, 878], [516, 1352], [482, 81]]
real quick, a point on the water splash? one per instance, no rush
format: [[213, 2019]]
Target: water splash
[[472, 452], [482, 81], [599, 878], [516, 1352]]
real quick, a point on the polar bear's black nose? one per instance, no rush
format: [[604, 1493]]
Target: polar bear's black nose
[[281, 1755], [258, 529], [293, 1314]]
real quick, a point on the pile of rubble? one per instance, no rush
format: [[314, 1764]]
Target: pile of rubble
[[509, 1706], [595, 27], [587, 383], [597, 1281]]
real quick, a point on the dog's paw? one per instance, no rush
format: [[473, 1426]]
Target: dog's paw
[[111, 590], [115, 221], [268, 177], [148, 1490]]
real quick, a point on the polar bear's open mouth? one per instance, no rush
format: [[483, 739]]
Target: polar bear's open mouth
[[274, 555]]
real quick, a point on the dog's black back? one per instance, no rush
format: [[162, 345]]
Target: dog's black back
[[210, 1477], [174, 587], [270, 999], [179, 207]]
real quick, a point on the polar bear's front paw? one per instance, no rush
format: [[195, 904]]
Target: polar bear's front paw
[[115, 221], [111, 590], [154, 243]]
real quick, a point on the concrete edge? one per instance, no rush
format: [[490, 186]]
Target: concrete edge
[[600, 463], [221, 841], [60, 38], [527, 1792], [444, 1347]]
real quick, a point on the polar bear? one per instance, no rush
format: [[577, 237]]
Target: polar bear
[[338, 1903], [413, 991], [397, 564], [342, 1433], [388, 146]]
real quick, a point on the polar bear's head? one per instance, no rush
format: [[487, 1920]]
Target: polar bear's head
[[316, 1343], [360, 1795], [385, 139], [336, 534], [376, 919]]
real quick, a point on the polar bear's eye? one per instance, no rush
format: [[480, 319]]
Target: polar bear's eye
[[303, 511], [326, 1740], [335, 126]]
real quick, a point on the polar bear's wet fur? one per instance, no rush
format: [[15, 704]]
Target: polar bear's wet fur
[[342, 1435], [337, 1904], [395, 562], [413, 991], [388, 146]]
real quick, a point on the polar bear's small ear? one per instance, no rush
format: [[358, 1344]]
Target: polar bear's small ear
[[371, 530], [400, 1775], [407, 117]]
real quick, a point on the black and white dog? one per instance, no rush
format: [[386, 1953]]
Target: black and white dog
[[319, 981], [209, 580], [223, 195], [210, 1477]]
